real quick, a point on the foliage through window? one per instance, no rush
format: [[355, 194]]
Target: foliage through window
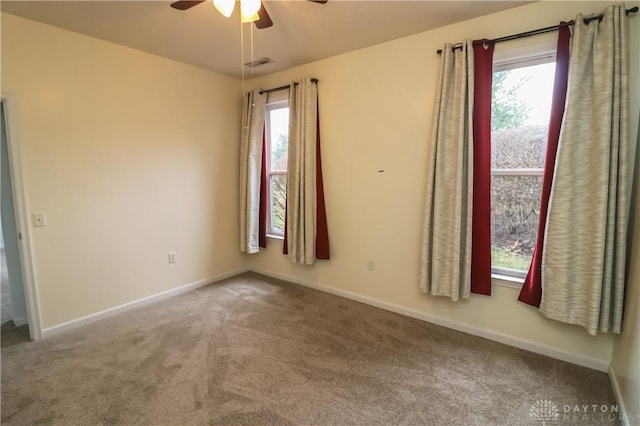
[[521, 104], [277, 144]]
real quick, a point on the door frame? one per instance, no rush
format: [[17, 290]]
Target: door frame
[[25, 245]]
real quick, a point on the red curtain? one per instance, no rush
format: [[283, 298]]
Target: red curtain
[[264, 195], [531, 292], [481, 231], [322, 231]]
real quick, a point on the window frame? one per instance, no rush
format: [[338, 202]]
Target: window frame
[[507, 275], [271, 106]]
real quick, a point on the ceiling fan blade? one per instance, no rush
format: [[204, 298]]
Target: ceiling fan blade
[[318, 1], [265, 20], [185, 4]]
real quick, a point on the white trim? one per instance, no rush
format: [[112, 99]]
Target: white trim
[[107, 313], [507, 281], [21, 206], [517, 172], [514, 61], [454, 325], [622, 410], [474, 330]]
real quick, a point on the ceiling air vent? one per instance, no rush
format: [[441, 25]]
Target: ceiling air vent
[[258, 62]]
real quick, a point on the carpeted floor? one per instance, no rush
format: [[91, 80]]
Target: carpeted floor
[[255, 351]]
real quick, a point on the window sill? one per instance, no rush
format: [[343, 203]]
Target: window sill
[[506, 281], [275, 237]]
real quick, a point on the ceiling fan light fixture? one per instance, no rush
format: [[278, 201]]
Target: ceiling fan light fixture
[[252, 18], [225, 6], [249, 10]]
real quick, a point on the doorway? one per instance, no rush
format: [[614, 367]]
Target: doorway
[[13, 309]]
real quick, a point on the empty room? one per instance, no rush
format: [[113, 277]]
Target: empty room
[[320, 212]]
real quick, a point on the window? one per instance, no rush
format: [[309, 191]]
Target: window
[[521, 103], [277, 144]]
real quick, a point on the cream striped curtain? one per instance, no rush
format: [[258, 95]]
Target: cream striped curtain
[[253, 116], [583, 265], [302, 172], [445, 268]]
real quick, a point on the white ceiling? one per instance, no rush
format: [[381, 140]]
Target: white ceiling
[[303, 31]]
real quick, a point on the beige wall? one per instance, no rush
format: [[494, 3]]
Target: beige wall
[[130, 156], [376, 107]]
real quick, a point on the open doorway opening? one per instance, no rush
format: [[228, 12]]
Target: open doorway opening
[[13, 309]]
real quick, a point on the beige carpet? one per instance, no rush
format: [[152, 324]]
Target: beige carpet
[[255, 351]]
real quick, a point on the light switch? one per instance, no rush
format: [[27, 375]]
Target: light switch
[[39, 219]]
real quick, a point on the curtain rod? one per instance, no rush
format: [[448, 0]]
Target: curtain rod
[[286, 86], [536, 32]]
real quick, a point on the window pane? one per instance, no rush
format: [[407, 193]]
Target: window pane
[[520, 148], [277, 197], [516, 209], [521, 106], [278, 138]]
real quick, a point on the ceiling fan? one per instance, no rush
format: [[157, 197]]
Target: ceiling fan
[[251, 10]]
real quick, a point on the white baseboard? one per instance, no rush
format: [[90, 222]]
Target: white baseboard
[[528, 345], [19, 321], [622, 410], [88, 319]]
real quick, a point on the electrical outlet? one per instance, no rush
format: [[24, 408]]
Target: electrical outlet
[[172, 257], [371, 265], [39, 219]]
